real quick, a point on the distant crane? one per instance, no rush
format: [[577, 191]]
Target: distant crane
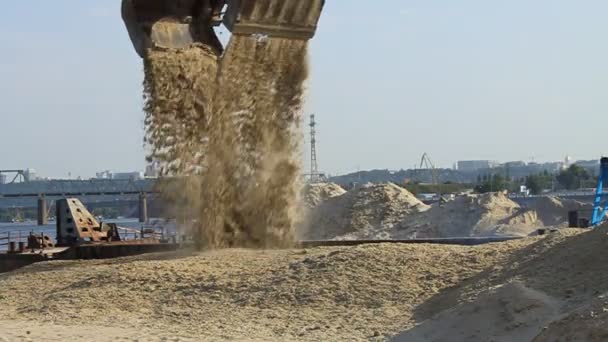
[[427, 164]]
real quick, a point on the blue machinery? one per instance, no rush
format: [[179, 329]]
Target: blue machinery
[[600, 204]]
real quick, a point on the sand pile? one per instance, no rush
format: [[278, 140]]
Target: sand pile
[[501, 292], [361, 212], [587, 323], [229, 129], [315, 194], [491, 214], [553, 211], [331, 294], [570, 267], [510, 312]]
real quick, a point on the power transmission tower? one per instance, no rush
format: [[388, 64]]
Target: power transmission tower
[[314, 167]]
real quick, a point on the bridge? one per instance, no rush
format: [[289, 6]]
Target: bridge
[[36, 193]]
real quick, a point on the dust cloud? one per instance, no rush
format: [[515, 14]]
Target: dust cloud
[[227, 129]]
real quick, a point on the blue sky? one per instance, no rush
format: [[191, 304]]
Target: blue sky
[[469, 79]]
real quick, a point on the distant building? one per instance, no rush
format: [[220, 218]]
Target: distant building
[[2, 179], [515, 164], [152, 170], [29, 175], [475, 165], [554, 166], [567, 162], [103, 175], [136, 175]]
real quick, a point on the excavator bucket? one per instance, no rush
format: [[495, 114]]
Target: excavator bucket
[[172, 23], [180, 23], [292, 19]]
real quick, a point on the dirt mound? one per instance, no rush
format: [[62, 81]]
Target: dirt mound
[[491, 214], [321, 294], [315, 194], [361, 212], [553, 211], [501, 291], [569, 265], [511, 312], [588, 323]]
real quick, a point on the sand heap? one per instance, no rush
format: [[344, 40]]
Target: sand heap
[[553, 211], [491, 214], [563, 276], [510, 312], [390, 212], [321, 294], [502, 292], [317, 193], [229, 128], [361, 212]]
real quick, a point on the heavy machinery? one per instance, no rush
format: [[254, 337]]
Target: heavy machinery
[[600, 204], [181, 23]]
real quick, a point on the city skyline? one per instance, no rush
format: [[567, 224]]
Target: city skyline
[[107, 173]]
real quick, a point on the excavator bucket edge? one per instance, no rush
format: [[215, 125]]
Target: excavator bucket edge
[[171, 23], [177, 24], [292, 19]]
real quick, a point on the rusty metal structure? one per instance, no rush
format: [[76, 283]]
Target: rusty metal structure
[[181, 23], [76, 225], [81, 236]]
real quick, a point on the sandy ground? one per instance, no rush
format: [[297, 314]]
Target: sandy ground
[[358, 293], [16, 330], [550, 288], [512, 312]]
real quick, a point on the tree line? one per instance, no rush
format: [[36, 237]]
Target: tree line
[[572, 178]]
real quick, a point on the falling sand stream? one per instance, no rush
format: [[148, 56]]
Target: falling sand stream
[[228, 129]]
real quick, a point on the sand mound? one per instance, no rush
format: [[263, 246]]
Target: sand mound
[[511, 312], [491, 214], [315, 194], [588, 323], [500, 292], [569, 265], [361, 212], [330, 294], [553, 211]]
